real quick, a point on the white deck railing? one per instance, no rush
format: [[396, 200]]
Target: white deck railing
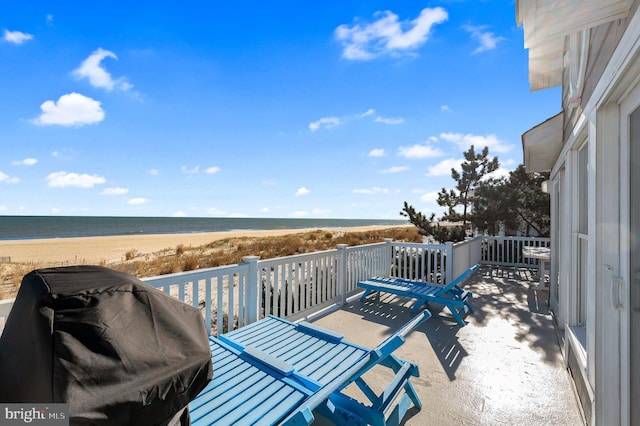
[[5, 308], [299, 286], [507, 251]]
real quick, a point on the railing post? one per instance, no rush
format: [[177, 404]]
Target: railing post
[[253, 289], [449, 262], [388, 253], [342, 272]]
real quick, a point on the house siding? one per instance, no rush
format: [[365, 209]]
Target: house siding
[[603, 41], [601, 346]]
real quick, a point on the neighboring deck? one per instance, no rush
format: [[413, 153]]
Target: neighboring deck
[[504, 368]]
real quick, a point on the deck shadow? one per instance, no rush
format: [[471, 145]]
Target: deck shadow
[[440, 330], [508, 293]]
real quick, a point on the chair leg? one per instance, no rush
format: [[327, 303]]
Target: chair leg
[[456, 314], [365, 294], [469, 308]]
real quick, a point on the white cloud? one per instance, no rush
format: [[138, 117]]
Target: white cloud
[[325, 122], [386, 120], [376, 152], [395, 169], [215, 211], [153, 172], [72, 109], [505, 168], [479, 142], [179, 214], [16, 37], [371, 191], [212, 170], [445, 108], [114, 191], [487, 39], [192, 171], [49, 19], [3, 208], [498, 173], [137, 201], [302, 191], [444, 167], [387, 34], [419, 151], [64, 179], [91, 69], [333, 121], [429, 197], [25, 162], [5, 178]]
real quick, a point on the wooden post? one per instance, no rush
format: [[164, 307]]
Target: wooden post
[[449, 262], [252, 308], [342, 273], [388, 254]]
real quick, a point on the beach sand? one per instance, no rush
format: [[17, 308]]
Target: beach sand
[[110, 249]]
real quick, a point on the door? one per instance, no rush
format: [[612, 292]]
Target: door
[[634, 265]]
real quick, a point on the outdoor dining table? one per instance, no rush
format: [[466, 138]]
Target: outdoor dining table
[[543, 255]]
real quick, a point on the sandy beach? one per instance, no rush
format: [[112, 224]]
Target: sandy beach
[[114, 248]]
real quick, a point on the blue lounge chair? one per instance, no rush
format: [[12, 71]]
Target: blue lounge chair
[[450, 295], [278, 372]]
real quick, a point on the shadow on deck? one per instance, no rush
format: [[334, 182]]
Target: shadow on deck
[[504, 368]]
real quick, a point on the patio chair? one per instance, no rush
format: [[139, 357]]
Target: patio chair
[[277, 372], [450, 295]]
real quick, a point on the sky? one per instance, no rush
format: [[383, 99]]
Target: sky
[[332, 109]]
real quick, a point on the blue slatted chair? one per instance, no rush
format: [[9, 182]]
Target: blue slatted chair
[[278, 372], [451, 295]]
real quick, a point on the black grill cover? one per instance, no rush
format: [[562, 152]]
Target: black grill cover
[[117, 350]]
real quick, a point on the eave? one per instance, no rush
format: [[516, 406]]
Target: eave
[[542, 144], [546, 24]]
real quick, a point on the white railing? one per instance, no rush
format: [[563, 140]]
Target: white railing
[[220, 292], [464, 255], [298, 286], [290, 286], [426, 262], [507, 251], [5, 308]]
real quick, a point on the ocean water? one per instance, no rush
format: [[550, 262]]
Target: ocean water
[[31, 227]]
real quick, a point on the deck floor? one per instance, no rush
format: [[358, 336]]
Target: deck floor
[[504, 368]]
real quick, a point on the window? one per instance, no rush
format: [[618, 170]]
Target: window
[[582, 236]]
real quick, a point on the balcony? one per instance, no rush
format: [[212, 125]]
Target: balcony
[[504, 367]]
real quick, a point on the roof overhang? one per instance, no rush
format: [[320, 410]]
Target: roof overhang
[[542, 144], [547, 23]]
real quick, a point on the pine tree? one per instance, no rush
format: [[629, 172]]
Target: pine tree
[[474, 168]]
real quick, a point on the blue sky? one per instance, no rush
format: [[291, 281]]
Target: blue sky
[[255, 109]]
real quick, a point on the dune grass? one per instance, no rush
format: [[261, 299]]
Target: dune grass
[[228, 251]]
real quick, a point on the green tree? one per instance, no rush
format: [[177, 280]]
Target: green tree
[[427, 227], [423, 223], [517, 202], [474, 168]]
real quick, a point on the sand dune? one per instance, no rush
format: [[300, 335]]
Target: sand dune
[[114, 248]]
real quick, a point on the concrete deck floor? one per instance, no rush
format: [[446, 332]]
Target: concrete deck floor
[[503, 368]]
